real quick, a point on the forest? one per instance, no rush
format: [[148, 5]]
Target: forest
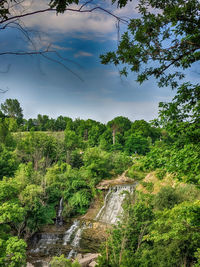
[[45, 159]]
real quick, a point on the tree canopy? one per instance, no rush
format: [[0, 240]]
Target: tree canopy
[[164, 37], [11, 108]]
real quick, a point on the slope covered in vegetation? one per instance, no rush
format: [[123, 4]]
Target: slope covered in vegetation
[[39, 167]]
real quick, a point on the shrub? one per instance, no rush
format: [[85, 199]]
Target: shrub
[[160, 173], [166, 198]]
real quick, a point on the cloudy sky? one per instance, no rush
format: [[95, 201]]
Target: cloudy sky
[[74, 83]]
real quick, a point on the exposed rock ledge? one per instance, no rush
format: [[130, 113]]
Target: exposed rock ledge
[[87, 260], [121, 179]]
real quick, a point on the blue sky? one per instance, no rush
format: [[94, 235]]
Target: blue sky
[[46, 87]]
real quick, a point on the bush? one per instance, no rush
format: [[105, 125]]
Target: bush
[[148, 185], [63, 262], [160, 173], [166, 198], [136, 171], [120, 162]]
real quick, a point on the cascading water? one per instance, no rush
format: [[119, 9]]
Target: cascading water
[[61, 241], [59, 220], [43, 243], [112, 208], [76, 241], [70, 232]]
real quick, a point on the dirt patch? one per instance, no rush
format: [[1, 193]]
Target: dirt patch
[[157, 184], [121, 179]]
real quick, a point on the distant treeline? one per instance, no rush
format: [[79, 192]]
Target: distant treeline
[[118, 134]]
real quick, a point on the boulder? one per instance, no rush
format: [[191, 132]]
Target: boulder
[[87, 255], [79, 256], [89, 258], [92, 264]]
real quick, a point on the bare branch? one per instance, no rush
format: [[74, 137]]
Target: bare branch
[[7, 69], [86, 3], [25, 53], [2, 91], [67, 9], [14, 20], [63, 65]]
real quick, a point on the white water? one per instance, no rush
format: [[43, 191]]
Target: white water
[[70, 231], [76, 242], [109, 213], [59, 220], [112, 208], [44, 241]]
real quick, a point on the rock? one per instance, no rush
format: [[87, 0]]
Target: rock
[[84, 262], [120, 180], [29, 264], [79, 256], [92, 264], [87, 255]]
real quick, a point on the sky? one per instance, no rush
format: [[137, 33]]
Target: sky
[[74, 83]]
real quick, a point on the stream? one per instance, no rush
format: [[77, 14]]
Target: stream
[[68, 240]]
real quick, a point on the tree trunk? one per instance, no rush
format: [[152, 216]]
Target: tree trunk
[[113, 134]]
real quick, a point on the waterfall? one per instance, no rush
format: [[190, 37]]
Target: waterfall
[[70, 232], [59, 220], [76, 241], [43, 242], [67, 242], [112, 207]]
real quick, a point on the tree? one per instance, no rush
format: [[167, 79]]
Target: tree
[[11, 108], [119, 124], [125, 239], [183, 234], [136, 144], [181, 117], [166, 198], [39, 148], [143, 128], [165, 37], [72, 141], [13, 252], [62, 123], [8, 162], [5, 135], [163, 42], [97, 163]]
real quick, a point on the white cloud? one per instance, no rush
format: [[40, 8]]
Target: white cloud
[[82, 54], [129, 11], [44, 42], [63, 48], [96, 22], [113, 73]]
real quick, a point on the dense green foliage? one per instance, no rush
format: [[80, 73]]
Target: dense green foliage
[[63, 262], [156, 230], [162, 229], [164, 36], [39, 168]]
